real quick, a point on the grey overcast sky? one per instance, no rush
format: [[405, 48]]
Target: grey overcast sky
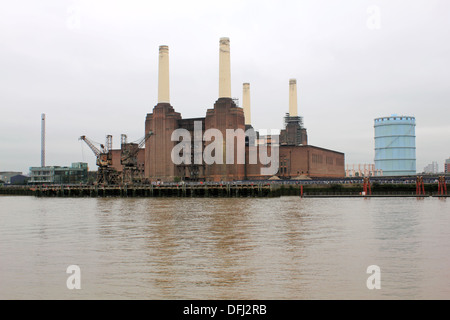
[[92, 67]]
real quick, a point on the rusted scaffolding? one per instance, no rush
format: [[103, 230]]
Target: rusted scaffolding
[[420, 187], [442, 186]]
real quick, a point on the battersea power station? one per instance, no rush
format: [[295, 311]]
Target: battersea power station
[[222, 145]]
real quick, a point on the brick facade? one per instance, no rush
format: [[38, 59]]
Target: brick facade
[[295, 159]]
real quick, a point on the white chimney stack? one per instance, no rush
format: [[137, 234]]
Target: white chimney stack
[[43, 140], [224, 69], [163, 76], [293, 98], [246, 103]]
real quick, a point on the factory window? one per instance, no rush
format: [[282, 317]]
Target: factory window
[[316, 158]]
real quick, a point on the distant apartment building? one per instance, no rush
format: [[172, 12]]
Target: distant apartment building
[[447, 165], [77, 173], [431, 168]]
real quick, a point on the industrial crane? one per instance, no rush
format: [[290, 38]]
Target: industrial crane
[[128, 158], [106, 174]]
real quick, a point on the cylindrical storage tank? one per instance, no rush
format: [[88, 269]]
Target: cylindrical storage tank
[[395, 145]]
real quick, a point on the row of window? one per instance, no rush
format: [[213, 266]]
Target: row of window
[[317, 158], [41, 173]]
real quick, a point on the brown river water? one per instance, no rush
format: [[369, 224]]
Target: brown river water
[[224, 248]]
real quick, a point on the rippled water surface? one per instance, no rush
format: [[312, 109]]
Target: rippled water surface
[[245, 248]]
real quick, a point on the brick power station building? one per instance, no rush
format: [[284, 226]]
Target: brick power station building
[[295, 157]]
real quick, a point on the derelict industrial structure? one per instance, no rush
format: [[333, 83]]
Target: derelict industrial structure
[[295, 158]]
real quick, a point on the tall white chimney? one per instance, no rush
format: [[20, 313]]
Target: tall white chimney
[[293, 98], [43, 140], [224, 69], [246, 103], [163, 75]]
